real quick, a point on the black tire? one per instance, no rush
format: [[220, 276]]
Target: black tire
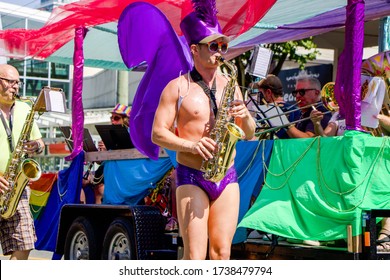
[[119, 241], [81, 241]]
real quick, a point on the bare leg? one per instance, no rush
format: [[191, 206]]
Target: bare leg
[[99, 191], [223, 222], [20, 255], [193, 212], [82, 197], [384, 234], [385, 231]]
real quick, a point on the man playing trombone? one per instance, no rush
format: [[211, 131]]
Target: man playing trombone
[[271, 92], [308, 95]]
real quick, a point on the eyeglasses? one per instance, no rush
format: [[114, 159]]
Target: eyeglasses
[[217, 46], [115, 118], [11, 83], [301, 91]]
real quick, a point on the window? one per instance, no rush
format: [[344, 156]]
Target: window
[[34, 86], [9, 21], [59, 71], [36, 68]]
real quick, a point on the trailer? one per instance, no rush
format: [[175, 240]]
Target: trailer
[[114, 232], [118, 232]]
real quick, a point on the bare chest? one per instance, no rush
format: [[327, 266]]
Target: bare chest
[[198, 105]]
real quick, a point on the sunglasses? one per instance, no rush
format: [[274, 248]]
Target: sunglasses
[[215, 47], [116, 118], [301, 91]]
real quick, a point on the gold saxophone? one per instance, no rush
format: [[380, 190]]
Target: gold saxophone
[[225, 133], [20, 170]]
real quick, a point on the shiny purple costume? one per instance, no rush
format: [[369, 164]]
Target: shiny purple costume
[[189, 176]]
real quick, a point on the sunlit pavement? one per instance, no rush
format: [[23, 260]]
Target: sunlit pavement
[[34, 255]]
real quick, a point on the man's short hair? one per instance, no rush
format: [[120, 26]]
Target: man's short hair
[[314, 82], [273, 83]]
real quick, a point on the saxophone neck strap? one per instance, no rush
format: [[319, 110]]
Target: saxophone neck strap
[[8, 129], [197, 78]]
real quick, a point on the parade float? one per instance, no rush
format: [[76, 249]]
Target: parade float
[[323, 189]]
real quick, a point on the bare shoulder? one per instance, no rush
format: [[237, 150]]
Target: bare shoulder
[[174, 87], [177, 83]]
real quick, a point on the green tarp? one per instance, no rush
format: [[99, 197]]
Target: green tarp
[[315, 187]]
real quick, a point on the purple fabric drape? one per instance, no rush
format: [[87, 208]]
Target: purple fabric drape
[[77, 98], [339, 86], [348, 80], [145, 36]]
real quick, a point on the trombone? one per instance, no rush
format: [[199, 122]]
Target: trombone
[[290, 111], [271, 129], [328, 100]]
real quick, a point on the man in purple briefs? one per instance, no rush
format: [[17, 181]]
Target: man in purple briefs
[[207, 211]]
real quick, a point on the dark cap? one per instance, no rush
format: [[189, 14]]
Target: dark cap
[[273, 83]]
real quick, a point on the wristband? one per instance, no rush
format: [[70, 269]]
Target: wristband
[[288, 127], [39, 149]]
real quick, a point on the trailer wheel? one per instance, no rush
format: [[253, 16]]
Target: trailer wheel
[[119, 242], [81, 242]]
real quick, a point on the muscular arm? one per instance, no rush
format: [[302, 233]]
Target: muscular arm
[[243, 117], [164, 118]]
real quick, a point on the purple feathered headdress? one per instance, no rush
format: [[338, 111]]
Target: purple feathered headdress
[[201, 26]]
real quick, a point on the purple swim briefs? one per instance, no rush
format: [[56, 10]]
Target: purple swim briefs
[[189, 176]]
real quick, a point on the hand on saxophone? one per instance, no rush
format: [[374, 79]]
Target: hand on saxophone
[[238, 109], [3, 185], [205, 147], [32, 147]]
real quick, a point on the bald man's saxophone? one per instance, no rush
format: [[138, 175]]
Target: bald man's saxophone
[[225, 132], [20, 170]]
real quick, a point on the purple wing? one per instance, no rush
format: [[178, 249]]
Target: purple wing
[[145, 36]]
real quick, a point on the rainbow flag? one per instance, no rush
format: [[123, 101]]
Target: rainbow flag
[[40, 191]]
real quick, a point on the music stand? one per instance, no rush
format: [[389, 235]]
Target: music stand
[[88, 144], [51, 99], [273, 115], [114, 137]]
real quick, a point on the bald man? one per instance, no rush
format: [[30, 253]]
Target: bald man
[[17, 233]]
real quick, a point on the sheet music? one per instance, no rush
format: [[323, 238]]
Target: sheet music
[[261, 62], [274, 114], [56, 101]]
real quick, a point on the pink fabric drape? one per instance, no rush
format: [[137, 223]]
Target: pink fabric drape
[[77, 98], [235, 18]]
